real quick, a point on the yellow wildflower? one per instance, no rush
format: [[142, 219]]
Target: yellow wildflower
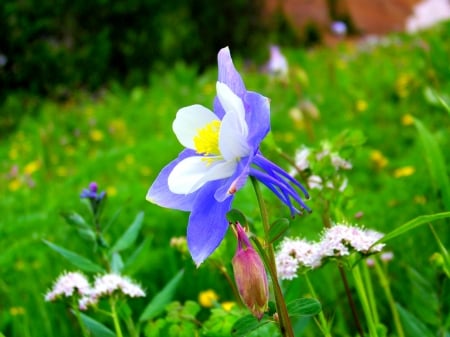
[[378, 158], [361, 105], [96, 135], [407, 120], [32, 167], [14, 185], [15, 311], [207, 298], [404, 171], [227, 306]]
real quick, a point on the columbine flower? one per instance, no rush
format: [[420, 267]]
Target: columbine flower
[[67, 285], [277, 64], [250, 275], [222, 150]]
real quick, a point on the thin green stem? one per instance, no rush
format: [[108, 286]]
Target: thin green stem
[[283, 315], [370, 294], [323, 326], [115, 317], [78, 316], [360, 289], [384, 282]]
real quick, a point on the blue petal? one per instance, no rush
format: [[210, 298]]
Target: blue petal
[[236, 181], [207, 223], [257, 116], [160, 194], [228, 73]]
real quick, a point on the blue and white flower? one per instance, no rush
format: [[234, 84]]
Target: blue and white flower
[[221, 151]]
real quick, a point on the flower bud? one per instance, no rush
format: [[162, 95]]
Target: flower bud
[[250, 275]]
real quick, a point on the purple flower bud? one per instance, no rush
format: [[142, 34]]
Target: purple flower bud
[[91, 192], [250, 275]]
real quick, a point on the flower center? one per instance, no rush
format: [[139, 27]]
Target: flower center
[[207, 139]]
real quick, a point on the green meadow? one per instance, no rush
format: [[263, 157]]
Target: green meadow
[[384, 103]]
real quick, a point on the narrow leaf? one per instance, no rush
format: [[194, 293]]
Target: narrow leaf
[[95, 327], [158, 303], [74, 219], [304, 307], [277, 229], [420, 220], [435, 163], [116, 263], [412, 325], [129, 237], [77, 260], [247, 324]]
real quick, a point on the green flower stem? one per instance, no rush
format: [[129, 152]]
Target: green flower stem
[[115, 317], [323, 326], [370, 293], [78, 316], [384, 282], [283, 315], [360, 289]]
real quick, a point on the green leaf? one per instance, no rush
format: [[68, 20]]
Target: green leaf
[[116, 263], [413, 327], [131, 263], [74, 219], [96, 328], [304, 307], [277, 229], [420, 220], [129, 237], [247, 324], [77, 260], [435, 163], [235, 216], [157, 304]]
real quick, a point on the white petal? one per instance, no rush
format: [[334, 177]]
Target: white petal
[[193, 172], [234, 129], [189, 120]]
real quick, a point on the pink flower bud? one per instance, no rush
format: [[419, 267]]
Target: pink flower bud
[[250, 275]]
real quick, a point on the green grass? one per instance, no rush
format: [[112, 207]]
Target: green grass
[[122, 139]]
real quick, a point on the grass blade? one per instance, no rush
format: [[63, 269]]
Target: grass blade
[[77, 260], [435, 162], [420, 220]]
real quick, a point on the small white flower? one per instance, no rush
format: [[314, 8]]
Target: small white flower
[[301, 158], [340, 163], [294, 254], [277, 64], [386, 257], [67, 285], [315, 182], [109, 283]]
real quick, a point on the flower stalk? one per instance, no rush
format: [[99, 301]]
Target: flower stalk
[[362, 294], [283, 315]]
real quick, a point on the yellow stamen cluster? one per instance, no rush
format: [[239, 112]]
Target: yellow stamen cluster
[[207, 139]]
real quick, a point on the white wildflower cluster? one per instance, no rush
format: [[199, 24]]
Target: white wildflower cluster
[[75, 283], [67, 285], [295, 255], [302, 163]]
